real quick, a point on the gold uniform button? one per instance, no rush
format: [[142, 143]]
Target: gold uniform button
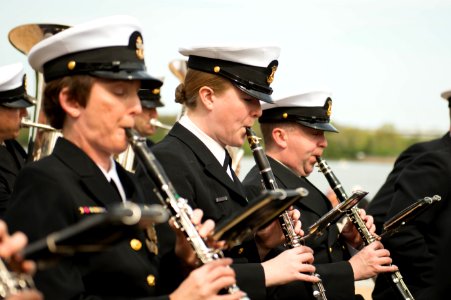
[[330, 249], [240, 251], [71, 65], [136, 244], [151, 280]]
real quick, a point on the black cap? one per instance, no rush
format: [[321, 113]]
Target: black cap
[[13, 83], [149, 94], [311, 110], [249, 69]]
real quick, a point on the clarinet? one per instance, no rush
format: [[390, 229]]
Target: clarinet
[[402, 218], [177, 206], [354, 216], [292, 240], [12, 283]]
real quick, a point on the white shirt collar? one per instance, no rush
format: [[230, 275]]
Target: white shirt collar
[[112, 175], [215, 148]]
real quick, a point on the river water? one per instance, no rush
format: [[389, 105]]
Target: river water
[[363, 175]]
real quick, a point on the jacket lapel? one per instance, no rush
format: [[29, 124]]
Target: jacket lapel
[[289, 180], [17, 153], [91, 176], [447, 140], [208, 161], [316, 201], [7, 164]]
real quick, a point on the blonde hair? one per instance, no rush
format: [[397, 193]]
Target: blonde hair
[[187, 93]]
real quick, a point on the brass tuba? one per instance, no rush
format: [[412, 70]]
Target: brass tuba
[[127, 159], [47, 138], [23, 38]]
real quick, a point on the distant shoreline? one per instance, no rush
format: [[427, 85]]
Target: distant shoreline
[[379, 159]]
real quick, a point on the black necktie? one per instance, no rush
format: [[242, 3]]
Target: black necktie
[[228, 164], [227, 161], [113, 184]]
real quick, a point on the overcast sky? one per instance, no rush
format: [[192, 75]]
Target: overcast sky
[[384, 61]]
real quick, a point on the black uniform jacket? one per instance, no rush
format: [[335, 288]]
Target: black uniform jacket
[[441, 288], [48, 196], [379, 205], [198, 177], [415, 249], [330, 256], [12, 159]]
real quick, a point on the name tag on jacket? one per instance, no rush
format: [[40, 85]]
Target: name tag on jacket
[[221, 199]]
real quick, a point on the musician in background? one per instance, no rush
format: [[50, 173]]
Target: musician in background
[[383, 198], [221, 93], [293, 130], [422, 170], [150, 101], [93, 72], [10, 245], [441, 289], [14, 101]]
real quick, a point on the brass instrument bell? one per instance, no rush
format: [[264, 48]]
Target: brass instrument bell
[[23, 38]]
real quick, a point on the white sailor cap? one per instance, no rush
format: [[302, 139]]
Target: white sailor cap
[[110, 47], [310, 109], [251, 69], [13, 87], [447, 96]]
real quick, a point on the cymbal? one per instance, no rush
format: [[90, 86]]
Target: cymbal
[[257, 214], [24, 37]]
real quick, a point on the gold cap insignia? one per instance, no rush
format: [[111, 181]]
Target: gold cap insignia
[[329, 108], [155, 91], [139, 48], [270, 78], [217, 69]]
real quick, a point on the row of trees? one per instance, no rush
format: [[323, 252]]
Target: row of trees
[[351, 142]]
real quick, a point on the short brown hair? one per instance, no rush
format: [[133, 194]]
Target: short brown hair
[[79, 90], [187, 92], [267, 129]]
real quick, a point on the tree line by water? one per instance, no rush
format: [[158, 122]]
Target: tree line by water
[[351, 143]]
